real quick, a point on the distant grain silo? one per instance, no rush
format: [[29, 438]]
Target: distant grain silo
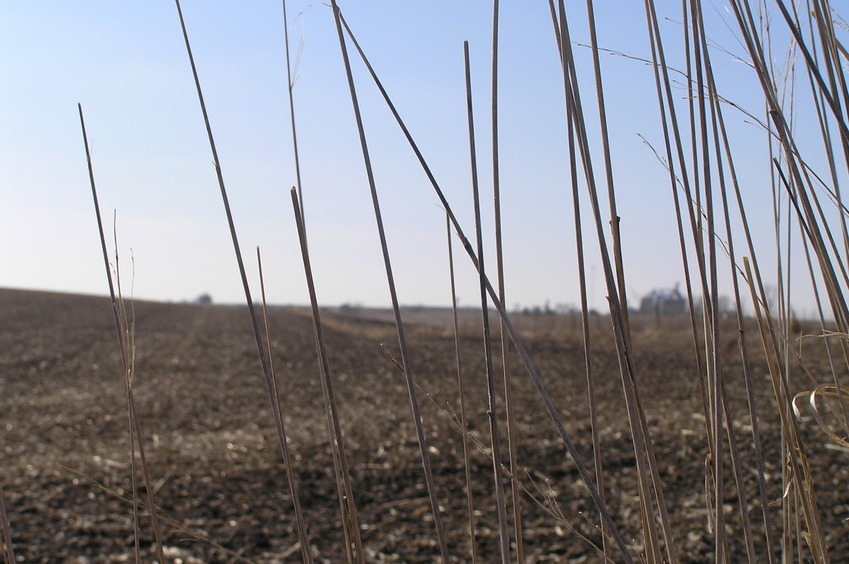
[[663, 302]]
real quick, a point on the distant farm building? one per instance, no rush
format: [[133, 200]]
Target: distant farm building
[[663, 302]]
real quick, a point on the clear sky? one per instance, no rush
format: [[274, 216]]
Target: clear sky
[[125, 62]]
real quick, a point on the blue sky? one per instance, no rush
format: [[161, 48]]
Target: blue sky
[[127, 66]]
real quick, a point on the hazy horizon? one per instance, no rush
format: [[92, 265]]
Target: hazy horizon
[[128, 68]]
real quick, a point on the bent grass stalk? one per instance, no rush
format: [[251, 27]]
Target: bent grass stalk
[[814, 230]]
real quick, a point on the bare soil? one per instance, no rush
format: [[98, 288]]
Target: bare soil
[[216, 465]]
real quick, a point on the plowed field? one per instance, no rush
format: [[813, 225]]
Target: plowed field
[[215, 463]]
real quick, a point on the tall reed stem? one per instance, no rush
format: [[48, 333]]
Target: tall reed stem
[[511, 437], [348, 508], [492, 410], [290, 87], [651, 491], [268, 378], [303, 538], [399, 327], [470, 505], [125, 343], [550, 408]]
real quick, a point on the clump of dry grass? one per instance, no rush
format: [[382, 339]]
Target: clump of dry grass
[[712, 227]]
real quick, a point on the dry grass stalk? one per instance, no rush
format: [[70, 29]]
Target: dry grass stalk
[[509, 416], [176, 525], [290, 87], [347, 504], [303, 537], [704, 175], [492, 409], [511, 435], [542, 497], [470, 503], [550, 408], [651, 490], [270, 382], [808, 212], [709, 133], [125, 328], [7, 547], [705, 116], [800, 479], [825, 391], [402, 341]]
